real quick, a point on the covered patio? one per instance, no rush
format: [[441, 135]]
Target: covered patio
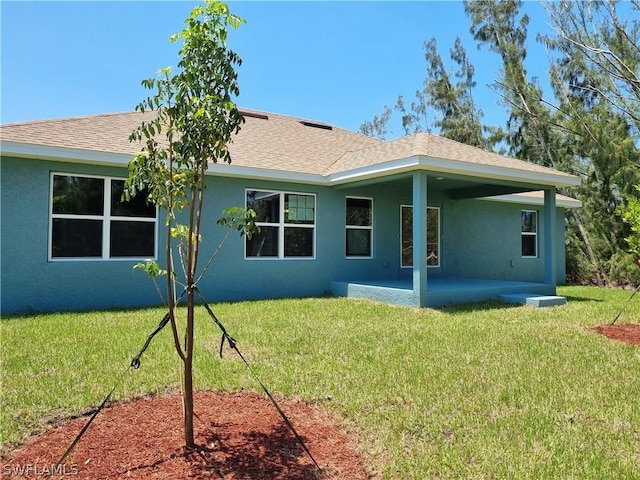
[[450, 290], [479, 255]]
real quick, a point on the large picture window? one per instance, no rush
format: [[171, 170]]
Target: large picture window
[[359, 227], [287, 224], [433, 236], [89, 220], [529, 233]]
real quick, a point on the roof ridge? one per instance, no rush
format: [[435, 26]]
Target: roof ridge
[[67, 119], [305, 119], [133, 111], [381, 144], [327, 170]]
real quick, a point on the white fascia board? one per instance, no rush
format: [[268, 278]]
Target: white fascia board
[[230, 170], [75, 155], [438, 165], [523, 198], [375, 171], [63, 154], [500, 173]]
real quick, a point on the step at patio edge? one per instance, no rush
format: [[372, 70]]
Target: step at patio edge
[[534, 300]]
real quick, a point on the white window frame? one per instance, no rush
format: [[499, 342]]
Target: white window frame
[[281, 225], [105, 218], [358, 227], [531, 234], [439, 229]]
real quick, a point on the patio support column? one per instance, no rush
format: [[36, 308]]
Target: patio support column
[[550, 253], [420, 237]]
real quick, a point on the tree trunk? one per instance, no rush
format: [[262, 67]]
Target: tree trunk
[[188, 404], [187, 393]]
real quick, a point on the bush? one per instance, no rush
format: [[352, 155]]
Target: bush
[[623, 270]]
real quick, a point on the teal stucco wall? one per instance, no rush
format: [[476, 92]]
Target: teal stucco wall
[[482, 239], [234, 277], [32, 283], [478, 239]]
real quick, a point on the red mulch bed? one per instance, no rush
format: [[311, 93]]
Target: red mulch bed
[[624, 332], [239, 436]]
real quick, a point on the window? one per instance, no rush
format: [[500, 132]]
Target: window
[[529, 233], [359, 227], [88, 220], [433, 236], [287, 224]]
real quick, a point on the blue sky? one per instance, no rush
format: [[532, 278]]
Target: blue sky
[[336, 62]]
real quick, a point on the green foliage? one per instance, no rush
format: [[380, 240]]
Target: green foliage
[[241, 220], [576, 132], [631, 215], [599, 55], [458, 117], [183, 234], [501, 28], [623, 269], [579, 269], [596, 52], [378, 127], [151, 268], [444, 104], [196, 114], [608, 169], [195, 111], [415, 118]]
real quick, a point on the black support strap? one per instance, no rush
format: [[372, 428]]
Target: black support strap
[[625, 305], [86, 427], [135, 363], [234, 346]]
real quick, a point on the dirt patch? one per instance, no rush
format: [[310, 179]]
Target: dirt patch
[[239, 436], [624, 332]]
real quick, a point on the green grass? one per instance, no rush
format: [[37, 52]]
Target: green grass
[[476, 391]]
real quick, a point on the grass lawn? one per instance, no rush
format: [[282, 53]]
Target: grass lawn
[[479, 391]]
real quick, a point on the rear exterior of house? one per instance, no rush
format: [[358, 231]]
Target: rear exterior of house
[[69, 244]]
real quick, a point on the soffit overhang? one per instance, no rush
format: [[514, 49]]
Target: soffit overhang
[[477, 175]]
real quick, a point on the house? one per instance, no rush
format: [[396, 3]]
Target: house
[[417, 221]]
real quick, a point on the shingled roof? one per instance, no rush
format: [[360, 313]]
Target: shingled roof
[[267, 142]]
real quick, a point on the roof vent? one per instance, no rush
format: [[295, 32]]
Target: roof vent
[[323, 126], [254, 115]]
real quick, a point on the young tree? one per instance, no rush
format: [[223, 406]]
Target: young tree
[[196, 115]]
